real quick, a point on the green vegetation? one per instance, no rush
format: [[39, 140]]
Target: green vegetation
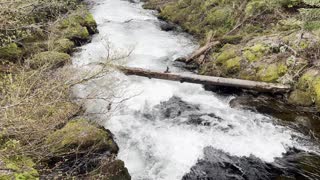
[[262, 40]]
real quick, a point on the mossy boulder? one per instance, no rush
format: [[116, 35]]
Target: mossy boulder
[[299, 97], [49, 58], [63, 45], [271, 73], [10, 52], [309, 82], [232, 65], [227, 52], [76, 32], [255, 52], [77, 27], [80, 136]]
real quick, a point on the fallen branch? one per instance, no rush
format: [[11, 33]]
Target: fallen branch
[[208, 80]]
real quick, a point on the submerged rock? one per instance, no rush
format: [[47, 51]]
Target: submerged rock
[[174, 107]]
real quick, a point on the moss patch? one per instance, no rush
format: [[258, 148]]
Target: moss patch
[[271, 73], [63, 45], [228, 52], [51, 58], [80, 135], [10, 52], [299, 97], [233, 65]]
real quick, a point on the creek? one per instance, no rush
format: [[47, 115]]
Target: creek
[[170, 130]]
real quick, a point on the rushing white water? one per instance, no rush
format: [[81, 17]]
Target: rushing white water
[[167, 148]]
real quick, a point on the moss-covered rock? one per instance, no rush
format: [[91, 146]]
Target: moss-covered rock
[[255, 52], [271, 73], [233, 65], [227, 52], [81, 136], [299, 97], [309, 82], [63, 45], [200, 17], [49, 58], [10, 52], [76, 32], [77, 27]]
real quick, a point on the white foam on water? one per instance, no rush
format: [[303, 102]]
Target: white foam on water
[[167, 148]]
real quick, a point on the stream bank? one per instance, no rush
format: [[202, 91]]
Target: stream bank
[[270, 41], [42, 131]]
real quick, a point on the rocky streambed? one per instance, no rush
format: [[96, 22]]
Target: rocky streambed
[[169, 130]]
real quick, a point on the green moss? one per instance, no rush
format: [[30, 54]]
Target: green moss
[[10, 52], [200, 17], [316, 91], [63, 45], [78, 26], [259, 48], [80, 135], [22, 166], [18, 166], [233, 65], [255, 7], [227, 53], [255, 52], [50, 58], [271, 73], [305, 81], [231, 39], [76, 32], [250, 56], [299, 97]]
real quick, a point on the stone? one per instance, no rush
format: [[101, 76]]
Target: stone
[[50, 58], [81, 136]]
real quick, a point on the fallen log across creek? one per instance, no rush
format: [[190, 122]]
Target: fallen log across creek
[[207, 80]]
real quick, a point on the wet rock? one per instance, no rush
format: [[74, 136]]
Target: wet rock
[[301, 98], [303, 119], [167, 26], [218, 165], [174, 107]]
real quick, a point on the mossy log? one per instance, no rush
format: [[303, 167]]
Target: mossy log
[[208, 80]]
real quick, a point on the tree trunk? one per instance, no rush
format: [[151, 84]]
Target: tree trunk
[[208, 80]]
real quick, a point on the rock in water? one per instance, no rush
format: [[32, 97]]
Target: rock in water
[[218, 165]]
